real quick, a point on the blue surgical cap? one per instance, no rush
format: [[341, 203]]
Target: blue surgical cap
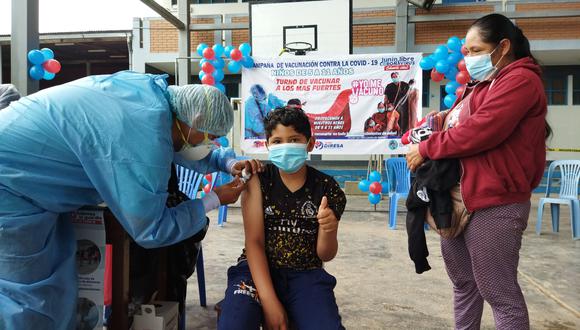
[[202, 107]]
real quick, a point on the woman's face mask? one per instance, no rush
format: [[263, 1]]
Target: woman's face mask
[[191, 153], [288, 157], [480, 66]]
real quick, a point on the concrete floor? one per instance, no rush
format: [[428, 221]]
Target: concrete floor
[[378, 288]]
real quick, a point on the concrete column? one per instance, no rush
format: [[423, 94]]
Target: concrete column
[[401, 20], [184, 61], [24, 38]]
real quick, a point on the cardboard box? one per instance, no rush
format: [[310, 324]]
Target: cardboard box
[[159, 315]]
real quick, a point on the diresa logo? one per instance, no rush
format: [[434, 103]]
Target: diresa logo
[[327, 145]]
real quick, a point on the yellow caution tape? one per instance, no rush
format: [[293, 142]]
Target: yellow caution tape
[[563, 150]]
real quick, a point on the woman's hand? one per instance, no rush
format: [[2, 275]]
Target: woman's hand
[[275, 316], [252, 166], [414, 158]]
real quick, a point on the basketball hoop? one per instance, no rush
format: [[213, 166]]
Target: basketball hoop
[[298, 48]]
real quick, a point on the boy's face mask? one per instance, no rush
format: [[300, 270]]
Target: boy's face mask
[[288, 157], [189, 152]]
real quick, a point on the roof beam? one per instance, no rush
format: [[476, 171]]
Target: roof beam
[[165, 14]]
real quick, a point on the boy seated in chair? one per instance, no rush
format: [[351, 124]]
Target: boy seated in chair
[[291, 213]]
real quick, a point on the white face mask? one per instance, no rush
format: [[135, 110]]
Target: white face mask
[[191, 153]]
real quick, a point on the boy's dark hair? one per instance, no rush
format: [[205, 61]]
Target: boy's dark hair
[[288, 116]]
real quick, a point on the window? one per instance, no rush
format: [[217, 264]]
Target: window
[[556, 85], [425, 94], [576, 88]]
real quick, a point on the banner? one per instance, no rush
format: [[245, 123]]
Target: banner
[[357, 104]]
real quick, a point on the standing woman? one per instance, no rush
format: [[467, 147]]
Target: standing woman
[[500, 141]]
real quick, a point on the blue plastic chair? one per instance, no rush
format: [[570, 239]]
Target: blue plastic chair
[[399, 185], [222, 178], [569, 177], [189, 182]]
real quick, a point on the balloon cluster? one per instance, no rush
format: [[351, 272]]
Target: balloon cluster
[[212, 64], [374, 186], [207, 179], [44, 66], [447, 62]]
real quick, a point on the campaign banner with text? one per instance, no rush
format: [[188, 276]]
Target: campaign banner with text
[[357, 104]]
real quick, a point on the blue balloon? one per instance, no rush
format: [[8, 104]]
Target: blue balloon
[[200, 48], [451, 86], [463, 41], [218, 63], [442, 66], [427, 63], [247, 62], [205, 181], [220, 86], [228, 50], [35, 57], [451, 73], [375, 176], [440, 53], [202, 195], [36, 72], [234, 66], [48, 75], [245, 48], [201, 62], [218, 50], [449, 100], [374, 198], [385, 187], [454, 58], [224, 142], [364, 185], [47, 53], [454, 43], [201, 74], [218, 75]]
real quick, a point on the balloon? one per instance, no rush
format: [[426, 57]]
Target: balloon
[[427, 63], [436, 76], [218, 50], [203, 60], [218, 63], [35, 57], [201, 74], [245, 48], [451, 86], [200, 48], [442, 66], [205, 181], [247, 62], [385, 187], [207, 188], [364, 185], [221, 87], [454, 43], [375, 187], [202, 195], [464, 50], [236, 55], [36, 72], [207, 68], [449, 100], [224, 142], [459, 91], [218, 75], [228, 50], [234, 66], [461, 65], [47, 53], [375, 176], [208, 53], [441, 53], [451, 74], [462, 77], [463, 41], [208, 80], [208, 177], [52, 66], [374, 198], [48, 75], [454, 58]]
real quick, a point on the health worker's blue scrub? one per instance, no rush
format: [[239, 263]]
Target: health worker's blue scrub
[[98, 139]]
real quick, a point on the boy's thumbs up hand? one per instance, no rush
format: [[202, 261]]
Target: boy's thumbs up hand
[[326, 218]]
